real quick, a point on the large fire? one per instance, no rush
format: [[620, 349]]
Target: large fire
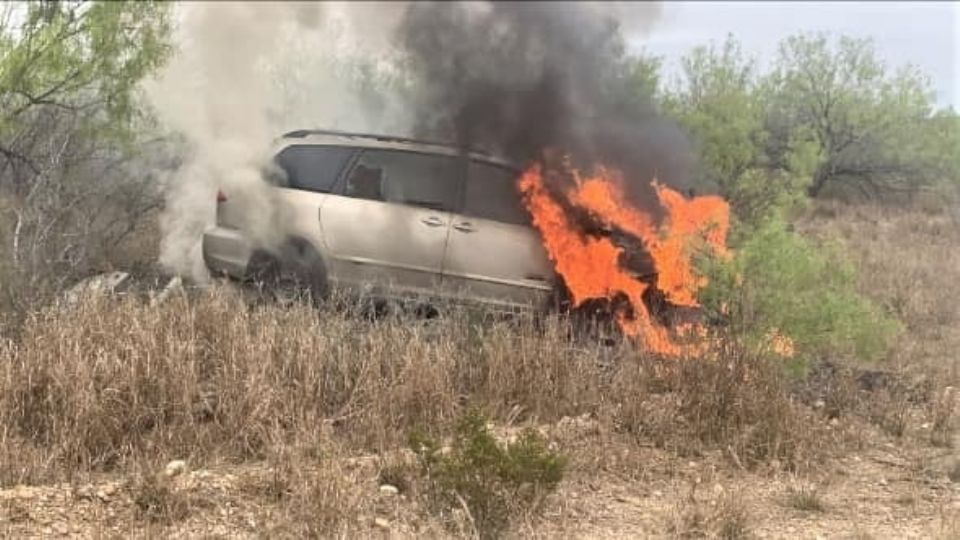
[[578, 223]]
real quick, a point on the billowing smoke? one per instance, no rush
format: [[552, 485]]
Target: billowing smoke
[[519, 78], [243, 74], [512, 78]]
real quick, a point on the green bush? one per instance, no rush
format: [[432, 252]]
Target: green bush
[[777, 281], [494, 482]]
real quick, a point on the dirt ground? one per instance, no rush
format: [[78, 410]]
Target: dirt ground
[[891, 488]]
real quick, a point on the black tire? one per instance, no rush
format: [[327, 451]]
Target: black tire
[[296, 270]]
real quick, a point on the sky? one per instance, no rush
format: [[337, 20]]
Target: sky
[[926, 34]]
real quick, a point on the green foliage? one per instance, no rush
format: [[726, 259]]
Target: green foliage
[[941, 142], [493, 482], [71, 127], [871, 126], [829, 119], [719, 106], [85, 58], [722, 106], [778, 281], [637, 81]]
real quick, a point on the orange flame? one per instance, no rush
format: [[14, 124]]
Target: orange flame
[[590, 265]]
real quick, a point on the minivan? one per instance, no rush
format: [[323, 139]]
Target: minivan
[[390, 217]]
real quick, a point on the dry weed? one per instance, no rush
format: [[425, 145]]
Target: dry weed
[[953, 473], [908, 260], [805, 498], [156, 500], [731, 518], [737, 402], [111, 382], [726, 516], [942, 417]]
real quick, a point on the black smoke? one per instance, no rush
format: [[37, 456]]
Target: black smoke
[[519, 78]]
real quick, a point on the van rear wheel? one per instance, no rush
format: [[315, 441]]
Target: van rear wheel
[[295, 273]]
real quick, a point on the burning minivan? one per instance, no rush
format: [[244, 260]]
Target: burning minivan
[[396, 218], [391, 218]]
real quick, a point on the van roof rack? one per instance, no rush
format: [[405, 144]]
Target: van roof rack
[[300, 133]]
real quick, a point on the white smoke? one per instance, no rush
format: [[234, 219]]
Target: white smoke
[[245, 72]]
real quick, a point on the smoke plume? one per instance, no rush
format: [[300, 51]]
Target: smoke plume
[[515, 78], [519, 78], [244, 73]]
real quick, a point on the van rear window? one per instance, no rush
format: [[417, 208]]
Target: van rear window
[[313, 168]]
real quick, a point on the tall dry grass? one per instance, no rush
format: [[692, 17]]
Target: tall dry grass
[[115, 384], [909, 260], [112, 383]]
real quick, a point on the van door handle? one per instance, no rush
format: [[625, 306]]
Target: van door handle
[[432, 221], [465, 226]]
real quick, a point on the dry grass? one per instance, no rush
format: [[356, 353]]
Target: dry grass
[[726, 517], [111, 382], [739, 403], [119, 385], [805, 498], [908, 259], [953, 473], [732, 519], [157, 501]]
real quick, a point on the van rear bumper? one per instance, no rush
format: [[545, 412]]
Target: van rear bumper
[[226, 251]]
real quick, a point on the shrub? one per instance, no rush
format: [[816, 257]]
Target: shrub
[[493, 483], [778, 283]]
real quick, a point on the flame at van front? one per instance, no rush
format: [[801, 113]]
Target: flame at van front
[[585, 227]]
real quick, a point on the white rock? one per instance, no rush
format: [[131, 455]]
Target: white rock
[[174, 468], [382, 523], [101, 284], [387, 489]]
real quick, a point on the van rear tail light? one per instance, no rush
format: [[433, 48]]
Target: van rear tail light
[[221, 198]]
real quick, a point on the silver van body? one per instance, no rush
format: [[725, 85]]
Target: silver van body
[[393, 217]]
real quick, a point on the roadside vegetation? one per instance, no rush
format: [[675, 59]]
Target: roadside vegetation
[[843, 178]]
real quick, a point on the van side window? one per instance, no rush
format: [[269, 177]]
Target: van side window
[[492, 194], [410, 178], [311, 167]]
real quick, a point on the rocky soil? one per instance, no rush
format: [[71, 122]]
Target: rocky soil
[[890, 488]]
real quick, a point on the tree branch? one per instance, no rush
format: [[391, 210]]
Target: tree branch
[[44, 97]]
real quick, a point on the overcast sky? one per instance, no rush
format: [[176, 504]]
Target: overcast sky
[[921, 33]]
